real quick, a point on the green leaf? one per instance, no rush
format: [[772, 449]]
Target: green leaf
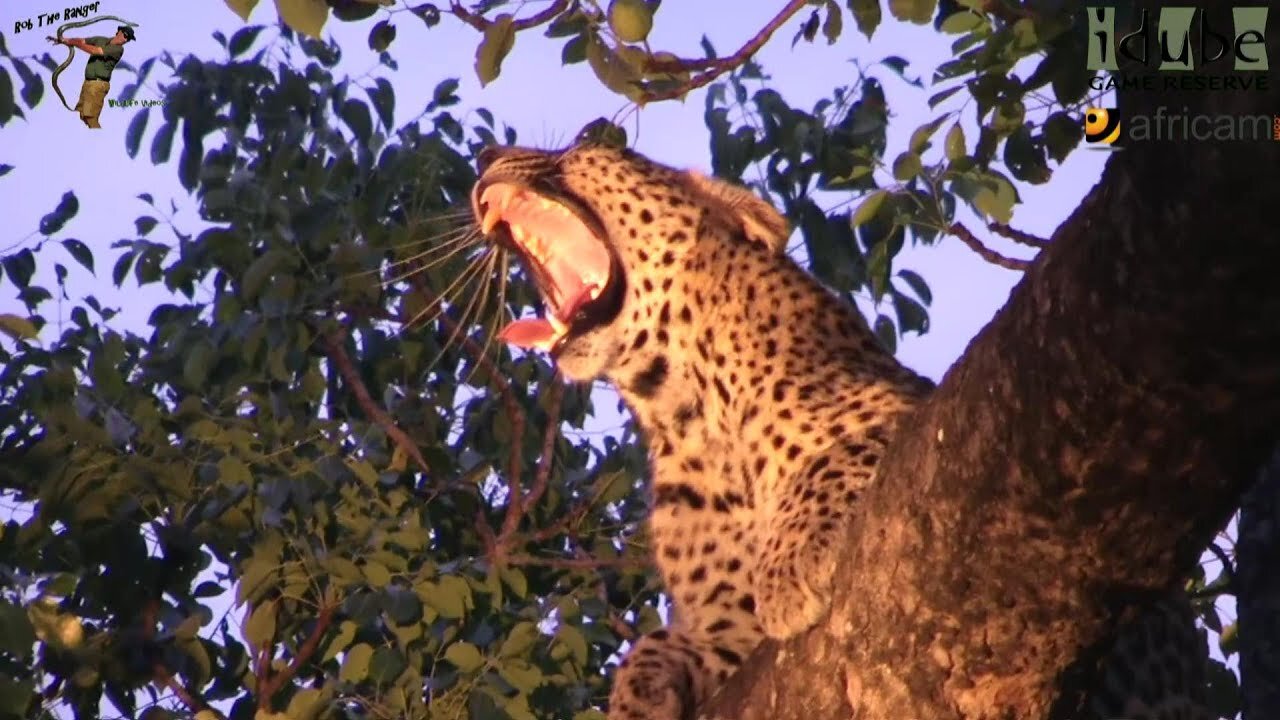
[[1062, 133], [962, 22], [355, 666], [498, 40], [573, 639], [66, 209], [195, 369], [574, 51], [449, 597], [937, 98], [917, 285], [522, 674], [866, 13], [242, 40], [233, 472], [17, 327], [15, 696], [885, 333], [834, 24], [954, 144], [381, 36], [519, 640], [377, 574], [242, 8], [260, 575], [919, 12], [906, 166], [304, 703], [630, 20], [341, 641], [16, 634], [386, 665], [133, 135], [305, 16], [343, 569], [516, 581], [162, 143], [356, 115], [464, 656], [989, 203], [261, 627], [920, 138], [868, 208], [258, 273]]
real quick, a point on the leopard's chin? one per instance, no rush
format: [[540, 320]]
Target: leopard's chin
[[560, 244]]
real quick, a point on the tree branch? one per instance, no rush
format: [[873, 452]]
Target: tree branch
[[717, 67], [351, 376], [193, 702], [495, 544], [269, 687], [1017, 236], [1069, 469], [959, 230], [481, 23], [549, 435]]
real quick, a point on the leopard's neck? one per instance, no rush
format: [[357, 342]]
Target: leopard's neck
[[763, 346]]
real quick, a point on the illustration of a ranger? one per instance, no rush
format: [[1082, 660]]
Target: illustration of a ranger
[[104, 54]]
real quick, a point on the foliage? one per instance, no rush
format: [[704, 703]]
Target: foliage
[[247, 440]]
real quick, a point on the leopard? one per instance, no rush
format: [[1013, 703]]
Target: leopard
[[765, 399]]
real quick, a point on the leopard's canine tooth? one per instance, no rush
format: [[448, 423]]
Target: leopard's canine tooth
[[495, 199]]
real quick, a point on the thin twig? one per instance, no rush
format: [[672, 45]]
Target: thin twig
[[270, 687], [494, 376], [347, 369], [986, 253], [1018, 236], [479, 22], [164, 677], [549, 436], [719, 67], [586, 563]]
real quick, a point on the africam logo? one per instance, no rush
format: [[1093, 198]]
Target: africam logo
[[1101, 126]]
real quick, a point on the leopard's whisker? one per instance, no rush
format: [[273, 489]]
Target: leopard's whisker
[[500, 262], [464, 320], [420, 267], [460, 323], [442, 299], [454, 238]]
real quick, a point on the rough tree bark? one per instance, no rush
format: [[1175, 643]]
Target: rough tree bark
[[1075, 461], [1258, 595]]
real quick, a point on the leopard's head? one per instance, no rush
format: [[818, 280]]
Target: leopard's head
[[614, 242]]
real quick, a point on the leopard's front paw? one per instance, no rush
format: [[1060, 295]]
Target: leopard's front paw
[[647, 693], [793, 592]]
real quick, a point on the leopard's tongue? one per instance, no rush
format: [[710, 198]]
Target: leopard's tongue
[[540, 333]]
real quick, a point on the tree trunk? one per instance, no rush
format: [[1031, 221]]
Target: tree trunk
[[1072, 465], [1258, 596]]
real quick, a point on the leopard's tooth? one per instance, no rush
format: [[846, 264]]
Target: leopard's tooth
[[492, 216], [557, 324], [496, 199]]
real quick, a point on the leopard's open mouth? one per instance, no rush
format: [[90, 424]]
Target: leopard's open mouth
[[569, 261]]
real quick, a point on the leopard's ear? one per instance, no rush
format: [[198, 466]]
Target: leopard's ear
[[760, 221]]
